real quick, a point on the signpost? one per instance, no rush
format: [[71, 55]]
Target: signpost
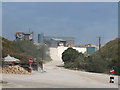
[[30, 62], [37, 65], [111, 77], [42, 64], [112, 71]]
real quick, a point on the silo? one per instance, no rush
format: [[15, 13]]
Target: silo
[[40, 38]]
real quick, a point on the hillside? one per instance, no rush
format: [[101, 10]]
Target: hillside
[[23, 50], [8, 48], [99, 62], [108, 57]]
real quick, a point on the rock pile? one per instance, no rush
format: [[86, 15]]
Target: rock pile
[[14, 70]]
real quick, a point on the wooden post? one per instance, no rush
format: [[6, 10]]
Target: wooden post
[[42, 63], [37, 65]]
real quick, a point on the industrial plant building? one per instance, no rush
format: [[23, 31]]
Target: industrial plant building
[[54, 41], [24, 36]]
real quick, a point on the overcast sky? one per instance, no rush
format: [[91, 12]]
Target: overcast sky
[[83, 20]]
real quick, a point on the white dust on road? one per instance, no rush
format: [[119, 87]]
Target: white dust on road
[[58, 77]]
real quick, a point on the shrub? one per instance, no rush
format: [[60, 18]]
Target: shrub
[[70, 55]]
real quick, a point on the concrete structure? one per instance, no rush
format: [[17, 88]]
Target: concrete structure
[[53, 41], [24, 36], [57, 52]]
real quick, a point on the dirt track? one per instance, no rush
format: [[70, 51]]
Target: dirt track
[[58, 77]]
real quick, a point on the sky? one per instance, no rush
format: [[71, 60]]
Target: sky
[[83, 20], [60, 0]]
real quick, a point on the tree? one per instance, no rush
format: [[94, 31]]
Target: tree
[[24, 50], [70, 55]]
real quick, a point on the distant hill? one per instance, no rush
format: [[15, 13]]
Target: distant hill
[[23, 50]]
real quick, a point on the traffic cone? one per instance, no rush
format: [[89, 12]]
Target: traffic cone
[[111, 79]]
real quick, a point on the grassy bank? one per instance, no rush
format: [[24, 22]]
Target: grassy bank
[[98, 62], [24, 50]]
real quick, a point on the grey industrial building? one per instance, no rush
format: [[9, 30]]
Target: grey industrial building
[[54, 41]]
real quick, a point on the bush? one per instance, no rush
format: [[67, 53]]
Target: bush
[[99, 62], [24, 50], [70, 55]]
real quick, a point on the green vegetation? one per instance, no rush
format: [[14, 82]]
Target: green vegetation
[[99, 62], [24, 50], [69, 55]]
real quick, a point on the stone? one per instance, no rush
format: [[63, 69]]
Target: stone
[[14, 70]]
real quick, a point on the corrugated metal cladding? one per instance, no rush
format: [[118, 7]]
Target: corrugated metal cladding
[[53, 41], [90, 49]]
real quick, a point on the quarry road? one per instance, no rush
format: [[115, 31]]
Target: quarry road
[[58, 77]]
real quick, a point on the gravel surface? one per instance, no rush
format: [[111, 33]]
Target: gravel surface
[[58, 77]]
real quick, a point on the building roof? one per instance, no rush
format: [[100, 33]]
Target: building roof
[[65, 38], [10, 59], [57, 39]]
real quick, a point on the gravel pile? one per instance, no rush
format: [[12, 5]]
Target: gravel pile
[[14, 70]]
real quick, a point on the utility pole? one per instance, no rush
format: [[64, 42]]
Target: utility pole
[[99, 40], [42, 63], [37, 64]]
